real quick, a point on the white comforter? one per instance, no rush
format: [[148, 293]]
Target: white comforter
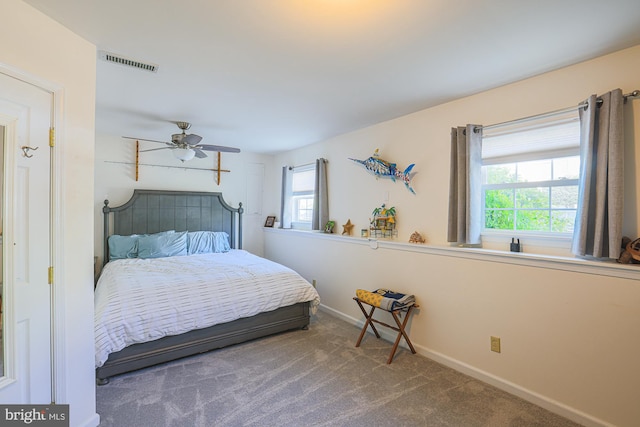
[[139, 300]]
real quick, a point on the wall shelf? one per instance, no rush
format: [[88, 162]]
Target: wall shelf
[[578, 265]]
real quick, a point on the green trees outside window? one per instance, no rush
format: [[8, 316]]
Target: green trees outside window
[[539, 196]]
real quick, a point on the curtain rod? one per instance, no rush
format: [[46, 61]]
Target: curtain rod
[[301, 166], [305, 165], [630, 95]]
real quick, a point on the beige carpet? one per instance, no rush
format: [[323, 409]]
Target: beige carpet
[[311, 378]]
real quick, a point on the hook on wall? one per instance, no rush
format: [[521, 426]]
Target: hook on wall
[[26, 149]]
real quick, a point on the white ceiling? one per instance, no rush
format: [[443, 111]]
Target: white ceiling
[[272, 75]]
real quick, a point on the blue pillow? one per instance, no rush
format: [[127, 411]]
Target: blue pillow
[[221, 241], [126, 247], [202, 242], [123, 247], [162, 245]]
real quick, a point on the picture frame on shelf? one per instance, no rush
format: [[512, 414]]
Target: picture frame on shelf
[[270, 221]]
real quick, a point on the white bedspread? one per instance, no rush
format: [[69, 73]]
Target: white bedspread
[[139, 300]]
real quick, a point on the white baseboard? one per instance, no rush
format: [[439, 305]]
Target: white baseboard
[[528, 395], [92, 421]]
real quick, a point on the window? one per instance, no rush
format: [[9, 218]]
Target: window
[[530, 176], [302, 187]]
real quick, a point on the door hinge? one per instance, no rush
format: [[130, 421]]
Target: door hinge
[[51, 275], [52, 137]]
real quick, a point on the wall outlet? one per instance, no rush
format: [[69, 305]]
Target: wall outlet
[[314, 283], [495, 344]]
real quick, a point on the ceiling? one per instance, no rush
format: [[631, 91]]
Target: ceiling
[[272, 75]]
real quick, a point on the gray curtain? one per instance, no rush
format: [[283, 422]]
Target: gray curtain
[[465, 191], [321, 197], [285, 205], [598, 226]]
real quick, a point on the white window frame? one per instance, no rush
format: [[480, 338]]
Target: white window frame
[[297, 196], [519, 155]]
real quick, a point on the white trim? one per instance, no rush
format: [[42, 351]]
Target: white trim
[[578, 265], [92, 421], [10, 374], [532, 184], [524, 393], [58, 316], [28, 78], [558, 244], [57, 210]]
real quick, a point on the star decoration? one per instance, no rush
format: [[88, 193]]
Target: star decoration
[[347, 228]]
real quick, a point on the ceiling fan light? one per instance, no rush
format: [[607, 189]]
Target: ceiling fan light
[[184, 154]]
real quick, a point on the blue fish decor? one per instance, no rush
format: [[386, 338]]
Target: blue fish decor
[[386, 169]]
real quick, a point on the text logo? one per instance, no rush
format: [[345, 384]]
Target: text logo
[[34, 415]]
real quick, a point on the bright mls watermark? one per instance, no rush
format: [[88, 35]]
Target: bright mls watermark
[[34, 415]]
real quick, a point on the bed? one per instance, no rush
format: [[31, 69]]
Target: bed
[[154, 307]]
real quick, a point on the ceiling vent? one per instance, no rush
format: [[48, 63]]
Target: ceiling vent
[[128, 62]]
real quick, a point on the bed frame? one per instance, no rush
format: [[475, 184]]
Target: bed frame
[[152, 211]]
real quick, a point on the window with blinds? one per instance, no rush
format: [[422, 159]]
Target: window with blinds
[[530, 175], [303, 181]]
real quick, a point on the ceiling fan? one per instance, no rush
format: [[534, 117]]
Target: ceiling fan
[[186, 147]]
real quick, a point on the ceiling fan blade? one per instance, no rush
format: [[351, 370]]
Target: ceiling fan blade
[[219, 148], [149, 140], [199, 153], [192, 139], [156, 149]]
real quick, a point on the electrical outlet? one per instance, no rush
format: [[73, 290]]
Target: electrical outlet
[[314, 283], [495, 344]]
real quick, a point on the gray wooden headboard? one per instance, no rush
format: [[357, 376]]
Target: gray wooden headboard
[[151, 211]]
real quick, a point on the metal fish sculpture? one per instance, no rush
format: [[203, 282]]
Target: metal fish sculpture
[[386, 169]]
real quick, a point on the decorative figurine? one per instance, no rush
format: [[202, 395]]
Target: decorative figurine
[[328, 228], [629, 253], [386, 169], [383, 223], [416, 238], [347, 228]]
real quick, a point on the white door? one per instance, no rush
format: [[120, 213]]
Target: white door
[[25, 115]]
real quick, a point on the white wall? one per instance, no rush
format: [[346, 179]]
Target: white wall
[[569, 339], [34, 44], [115, 181]]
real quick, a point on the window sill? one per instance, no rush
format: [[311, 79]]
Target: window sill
[[534, 243], [585, 266]]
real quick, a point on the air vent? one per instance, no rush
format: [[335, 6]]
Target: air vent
[[128, 62]]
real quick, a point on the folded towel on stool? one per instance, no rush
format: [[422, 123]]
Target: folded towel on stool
[[386, 299]]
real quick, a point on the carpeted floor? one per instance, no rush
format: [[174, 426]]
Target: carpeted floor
[[311, 378]]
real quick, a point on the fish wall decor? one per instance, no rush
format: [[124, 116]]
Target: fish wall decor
[[383, 168]]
